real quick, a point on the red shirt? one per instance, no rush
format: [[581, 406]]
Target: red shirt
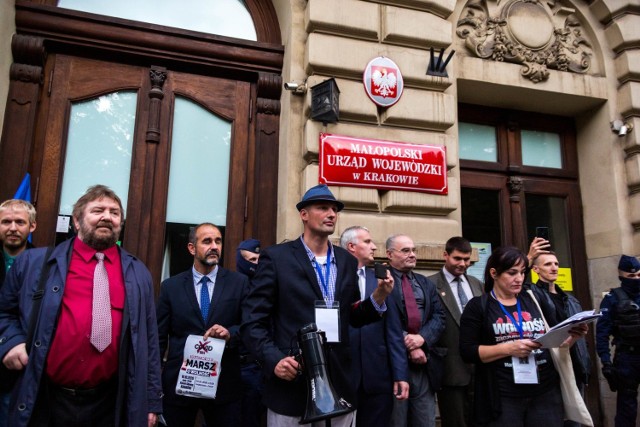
[[72, 360]]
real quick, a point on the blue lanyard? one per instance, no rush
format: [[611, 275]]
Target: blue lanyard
[[325, 282], [504, 310]]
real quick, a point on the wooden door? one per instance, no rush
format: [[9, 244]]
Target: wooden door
[[75, 80]]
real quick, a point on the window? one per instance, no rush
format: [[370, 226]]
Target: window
[[198, 179], [223, 17], [508, 141]]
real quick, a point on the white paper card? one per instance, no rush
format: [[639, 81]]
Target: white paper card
[[327, 320], [201, 367], [62, 225], [525, 370]]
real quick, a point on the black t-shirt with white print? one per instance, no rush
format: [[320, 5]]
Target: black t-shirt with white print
[[503, 331]]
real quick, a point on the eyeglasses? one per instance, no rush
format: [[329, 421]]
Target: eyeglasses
[[404, 251]]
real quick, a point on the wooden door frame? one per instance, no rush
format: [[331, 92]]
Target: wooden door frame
[[514, 181], [43, 29]]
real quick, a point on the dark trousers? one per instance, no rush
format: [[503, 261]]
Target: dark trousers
[[454, 403], [628, 367], [374, 410], [184, 413], [544, 409], [252, 386], [62, 407]]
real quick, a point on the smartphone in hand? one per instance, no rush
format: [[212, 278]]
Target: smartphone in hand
[[380, 270], [542, 232]]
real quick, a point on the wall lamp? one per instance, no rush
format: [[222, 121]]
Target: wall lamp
[[296, 87], [621, 127], [325, 101]]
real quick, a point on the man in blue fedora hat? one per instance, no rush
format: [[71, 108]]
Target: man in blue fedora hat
[[307, 280], [621, 320]]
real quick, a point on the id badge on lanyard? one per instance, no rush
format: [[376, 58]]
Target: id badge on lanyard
[[328, 319], [525, 370]]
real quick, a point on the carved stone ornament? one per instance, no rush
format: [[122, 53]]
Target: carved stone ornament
[[538, 34]]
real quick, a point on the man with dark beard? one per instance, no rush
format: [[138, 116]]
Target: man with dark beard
[[94, 357], [621, 319], [206, 301]]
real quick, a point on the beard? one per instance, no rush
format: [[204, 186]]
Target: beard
[[205, 260], [96, 241], [13, 244]]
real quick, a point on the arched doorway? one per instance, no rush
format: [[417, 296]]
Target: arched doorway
[[88, 87]]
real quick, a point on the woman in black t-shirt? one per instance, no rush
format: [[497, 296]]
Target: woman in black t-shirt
[[516, 384]]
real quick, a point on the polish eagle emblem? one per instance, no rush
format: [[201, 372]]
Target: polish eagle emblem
[[384, 82]]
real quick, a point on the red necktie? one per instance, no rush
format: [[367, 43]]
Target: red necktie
[[413, 314]]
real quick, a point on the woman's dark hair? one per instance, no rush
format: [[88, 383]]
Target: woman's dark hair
[[502, 259]]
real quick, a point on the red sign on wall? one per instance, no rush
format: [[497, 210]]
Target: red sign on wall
[[373, 163]]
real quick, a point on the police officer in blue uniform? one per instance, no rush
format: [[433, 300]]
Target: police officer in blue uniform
[[621, 320]]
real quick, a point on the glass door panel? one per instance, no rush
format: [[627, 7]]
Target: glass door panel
[[549, 211], [99, 150], [200, 150], [198, 179], [481, 216]]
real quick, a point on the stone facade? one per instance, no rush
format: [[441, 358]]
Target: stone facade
[[590, 71], [577, 58]]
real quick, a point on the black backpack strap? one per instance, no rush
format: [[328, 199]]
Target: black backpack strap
[[37, 298]]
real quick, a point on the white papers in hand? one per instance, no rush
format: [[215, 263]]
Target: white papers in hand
[[559, 333]]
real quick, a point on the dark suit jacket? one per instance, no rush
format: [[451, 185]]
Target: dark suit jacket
[[433, 318], [456, 372], [281, 300], [379, 354], [179, 316], [7, 376]]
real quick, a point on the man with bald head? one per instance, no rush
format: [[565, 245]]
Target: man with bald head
[[205, 300], [423, 321]]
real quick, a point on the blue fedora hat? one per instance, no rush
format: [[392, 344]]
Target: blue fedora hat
[[319, 193]]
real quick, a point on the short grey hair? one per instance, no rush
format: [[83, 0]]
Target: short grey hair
[[392, 239], [350, 234]]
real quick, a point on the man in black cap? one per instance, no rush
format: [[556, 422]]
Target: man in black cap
[[247, 255], [303, 281], [621, 319]]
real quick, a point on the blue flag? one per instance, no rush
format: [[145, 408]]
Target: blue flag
[[24, 190]]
